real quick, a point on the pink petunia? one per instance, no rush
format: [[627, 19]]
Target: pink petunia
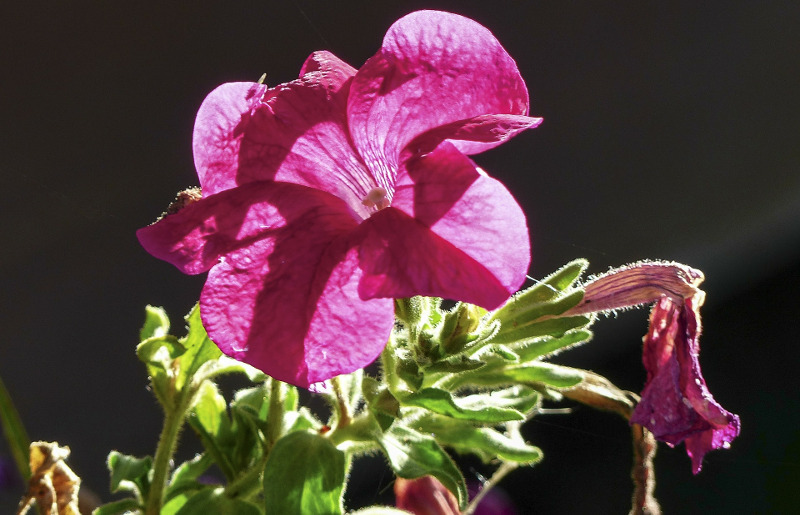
[[326, 197]]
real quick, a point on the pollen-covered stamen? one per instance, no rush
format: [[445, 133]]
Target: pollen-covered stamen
[[377, 198]]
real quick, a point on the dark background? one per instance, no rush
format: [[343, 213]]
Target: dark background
[[670, 132]]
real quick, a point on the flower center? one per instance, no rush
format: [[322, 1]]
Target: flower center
[[377, 198]]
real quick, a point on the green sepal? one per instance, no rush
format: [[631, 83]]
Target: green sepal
[[209, 501], [123, 506], [156, 323], [304, 474], [454, 365], [546, 347], [477, 408], [555, 327], [412, 454], [552, 307], [486, 443], [129, 474]]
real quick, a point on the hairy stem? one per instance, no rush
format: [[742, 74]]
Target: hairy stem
[[167, 443]]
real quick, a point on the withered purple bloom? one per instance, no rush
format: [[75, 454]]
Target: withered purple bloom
[[676, 405]]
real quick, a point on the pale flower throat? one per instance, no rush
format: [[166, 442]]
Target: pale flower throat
[[377, 198]]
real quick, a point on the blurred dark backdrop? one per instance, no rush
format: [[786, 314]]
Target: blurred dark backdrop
[[670, 132]]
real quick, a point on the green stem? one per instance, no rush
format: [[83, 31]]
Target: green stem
[[275, 415], [167, 443], [342, 409]]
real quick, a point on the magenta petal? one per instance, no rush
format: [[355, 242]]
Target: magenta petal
[[218, 131], [676, 405], [295, 133], [475, 213], [195, 238], [474, 135], [289, 306], [451, 232], [434, 69], [403, 258]]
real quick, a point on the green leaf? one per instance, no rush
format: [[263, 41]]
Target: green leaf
[[379, 510], [199, 349], [210, 501], [156, 323], [518, 398], [442, 402], [499, 373], [123, 506], [185, 476], [412, 454], [209, 418], [158, 353], [548, 373], [227, 365], [18, 442], [304, 474], [548, 346], [484, 442], [129, 474]]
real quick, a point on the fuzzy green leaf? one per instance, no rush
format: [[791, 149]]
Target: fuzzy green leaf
[[412, 454], [486, 443], [442, 402], [304, 474], [184, 478], [156, 323], [129, 474]]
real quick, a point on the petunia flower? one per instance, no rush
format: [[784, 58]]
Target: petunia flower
[[675, 404], [326, 197]]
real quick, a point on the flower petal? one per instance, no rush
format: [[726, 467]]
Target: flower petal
[[295, 132], [676, 404], [289, 306], [196, 237], [218, 132], [434, 69], [456, 233]]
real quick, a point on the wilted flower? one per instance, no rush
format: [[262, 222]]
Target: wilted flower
[[675, 405], [326, 197]]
